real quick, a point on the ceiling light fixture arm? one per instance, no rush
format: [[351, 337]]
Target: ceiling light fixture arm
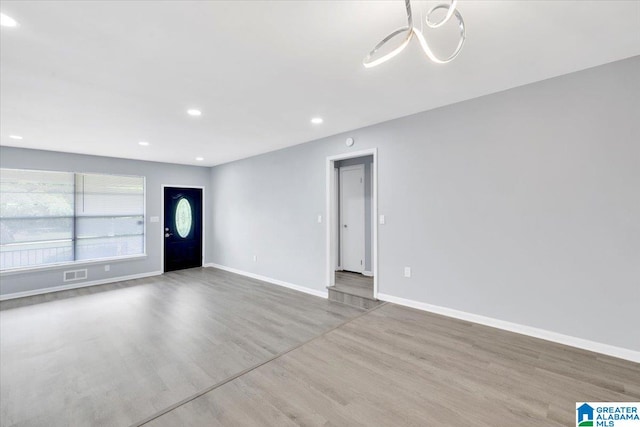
[[411, 31], [370, 62]]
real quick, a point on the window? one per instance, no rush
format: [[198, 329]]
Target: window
[[55, 217], [36, 218]]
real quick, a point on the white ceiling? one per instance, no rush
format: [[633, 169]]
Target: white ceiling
[[96, 77]]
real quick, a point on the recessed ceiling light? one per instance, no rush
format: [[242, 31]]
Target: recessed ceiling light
[[194, 112], [199, 159], [7, 21], [15, 137], [143, 143], [317, 120]]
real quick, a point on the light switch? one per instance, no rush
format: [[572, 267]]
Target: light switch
[[381, 219], [319, 219]]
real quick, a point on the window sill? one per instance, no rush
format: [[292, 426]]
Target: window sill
[[70, 265]]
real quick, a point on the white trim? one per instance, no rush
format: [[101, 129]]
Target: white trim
[[145, 218], [330, 227], [610, 350], [314, 292], [335, 214], [78, 285], [162, 220], [367, 273], [373, 225]]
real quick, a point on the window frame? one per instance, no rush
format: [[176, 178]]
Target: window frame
[[59, 265]]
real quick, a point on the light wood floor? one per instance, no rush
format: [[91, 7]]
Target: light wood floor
[[354, 283], [391, 366], [397, 366], [114, 355]]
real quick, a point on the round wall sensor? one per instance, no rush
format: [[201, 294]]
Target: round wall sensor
[[349, 142]]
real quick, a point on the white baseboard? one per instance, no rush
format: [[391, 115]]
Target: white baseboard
[[314, 292], [367, 273], [622, 353], [78, 285]]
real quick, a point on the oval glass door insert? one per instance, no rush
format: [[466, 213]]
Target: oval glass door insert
[[184, 219]]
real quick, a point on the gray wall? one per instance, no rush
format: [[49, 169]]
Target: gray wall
[[156, 175], [368, 201], [522, 206]]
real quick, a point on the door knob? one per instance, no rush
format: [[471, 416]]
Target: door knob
[[167, 234], [345, 226]]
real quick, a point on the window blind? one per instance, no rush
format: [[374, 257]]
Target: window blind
[[109, 216], [54, 217]]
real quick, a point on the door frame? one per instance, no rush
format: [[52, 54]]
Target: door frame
[[202, 245], [341, 215], [331, 228]]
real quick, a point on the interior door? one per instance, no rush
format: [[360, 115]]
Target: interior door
[[182, 228], [352, 218]]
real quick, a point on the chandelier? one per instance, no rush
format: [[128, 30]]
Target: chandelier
[[410, 31]]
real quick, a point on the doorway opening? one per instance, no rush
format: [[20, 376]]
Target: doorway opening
[[352, 228], [182, 228]]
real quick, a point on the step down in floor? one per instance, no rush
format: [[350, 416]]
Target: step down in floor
[[348, 297]]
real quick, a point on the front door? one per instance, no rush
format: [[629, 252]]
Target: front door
[[182, 228]]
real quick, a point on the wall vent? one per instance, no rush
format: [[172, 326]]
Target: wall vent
[[75, 275]]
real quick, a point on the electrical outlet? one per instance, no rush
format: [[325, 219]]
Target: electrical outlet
[[407, 272], [382, 219], [255, 258], [107, 267]]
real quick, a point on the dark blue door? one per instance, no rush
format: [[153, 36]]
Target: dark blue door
[[182, 228]]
